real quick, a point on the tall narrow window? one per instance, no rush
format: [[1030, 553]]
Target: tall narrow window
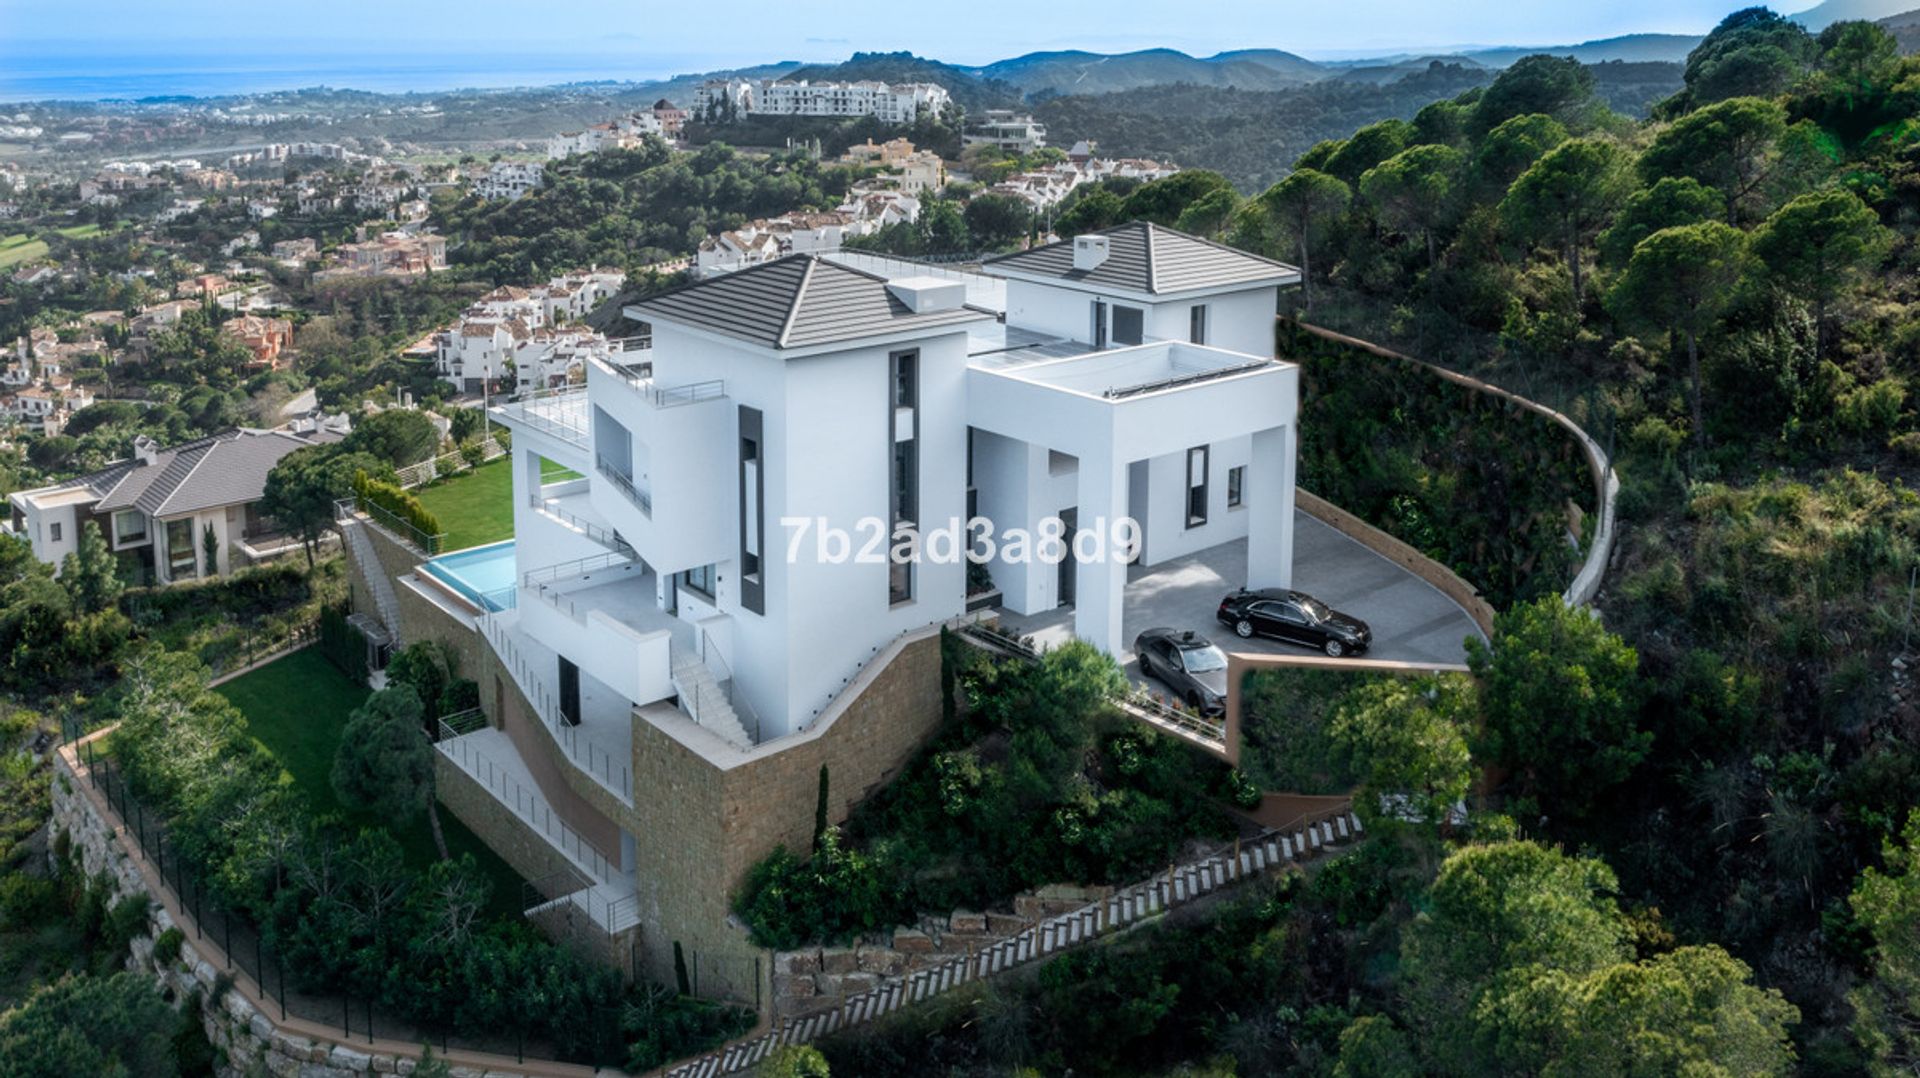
[[569, 691], [904, 463], [753, 504], [1196, 486], [1099, 324], [1236, 485], [1197, 323]]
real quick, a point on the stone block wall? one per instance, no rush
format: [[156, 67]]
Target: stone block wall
[[816, 979], [708, 821]]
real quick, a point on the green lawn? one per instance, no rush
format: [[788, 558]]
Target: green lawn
[[19, 248], [296, 707], [476, 507], [473, 507], [80, 232]]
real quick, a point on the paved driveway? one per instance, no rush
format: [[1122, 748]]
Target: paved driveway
[[1412, 621]]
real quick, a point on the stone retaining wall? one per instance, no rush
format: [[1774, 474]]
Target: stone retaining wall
[[1114, 911]]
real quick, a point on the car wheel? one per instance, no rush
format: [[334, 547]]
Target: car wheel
[[1146, 668], [1335, 649], [1243, 628], [1193, 701]]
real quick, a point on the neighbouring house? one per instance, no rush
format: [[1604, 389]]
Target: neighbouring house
[[155, 507], [624, 133], [394, 254], [761, 241], [1014, 132], [267, 338], [669, 670], [296, 251]]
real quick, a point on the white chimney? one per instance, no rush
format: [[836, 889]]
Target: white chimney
[[1089, 252], [145, 449]]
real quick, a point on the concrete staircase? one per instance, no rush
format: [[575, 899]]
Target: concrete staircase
[[360, 546], [705, 702]]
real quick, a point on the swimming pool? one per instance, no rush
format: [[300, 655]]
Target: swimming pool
[[484, 574]]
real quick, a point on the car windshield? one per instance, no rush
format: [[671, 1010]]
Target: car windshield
[[1315, 609], [1201, 660]]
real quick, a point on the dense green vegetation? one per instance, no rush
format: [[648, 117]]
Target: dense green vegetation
[[1725, 296], [305, 740], [346, 913], [1035, 781], [631, 208], [1480, 484]]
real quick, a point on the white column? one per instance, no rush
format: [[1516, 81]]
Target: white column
[[1100, 584], [1270, 480]]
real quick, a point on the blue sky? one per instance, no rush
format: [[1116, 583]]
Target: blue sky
[[662, 38]]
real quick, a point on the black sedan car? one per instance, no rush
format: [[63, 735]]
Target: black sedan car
[[1295, 617], [1187, 663]]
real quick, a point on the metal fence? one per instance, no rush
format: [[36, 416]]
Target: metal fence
[[254, 953], [447, 464]]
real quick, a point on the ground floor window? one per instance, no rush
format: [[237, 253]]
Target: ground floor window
[[181, 557], [1236, 485], [699, 581]]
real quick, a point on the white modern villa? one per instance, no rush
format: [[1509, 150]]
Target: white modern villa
[[1124, 375], [698, 617]]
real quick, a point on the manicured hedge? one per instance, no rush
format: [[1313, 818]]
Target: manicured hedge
[[403, 505]]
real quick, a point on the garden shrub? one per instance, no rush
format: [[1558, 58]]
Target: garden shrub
[[166, 947], [1037, 782]]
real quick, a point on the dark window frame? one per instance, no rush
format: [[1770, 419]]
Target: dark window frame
[[1136, 315], [1197, 492], [1236, 486], [903, 465], [1197, 318], [753, 545]]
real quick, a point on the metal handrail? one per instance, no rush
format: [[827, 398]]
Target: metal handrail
[[521, 409], [605, 536], [530, 805], [582, 751], [664, 396], [624, 483], [345, 508], [723, 677], [1153, 708], [540, 581]]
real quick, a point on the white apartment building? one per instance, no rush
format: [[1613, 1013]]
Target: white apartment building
[[1126, 374], [898, 103], [623, 133], [509, 179], [526, 333], [1014, 132]]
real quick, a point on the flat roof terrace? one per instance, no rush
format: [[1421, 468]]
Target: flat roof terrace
[[1120, 373]]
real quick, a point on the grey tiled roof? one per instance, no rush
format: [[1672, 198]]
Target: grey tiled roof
[[1150, 259], [228, 468], [798, 302]]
